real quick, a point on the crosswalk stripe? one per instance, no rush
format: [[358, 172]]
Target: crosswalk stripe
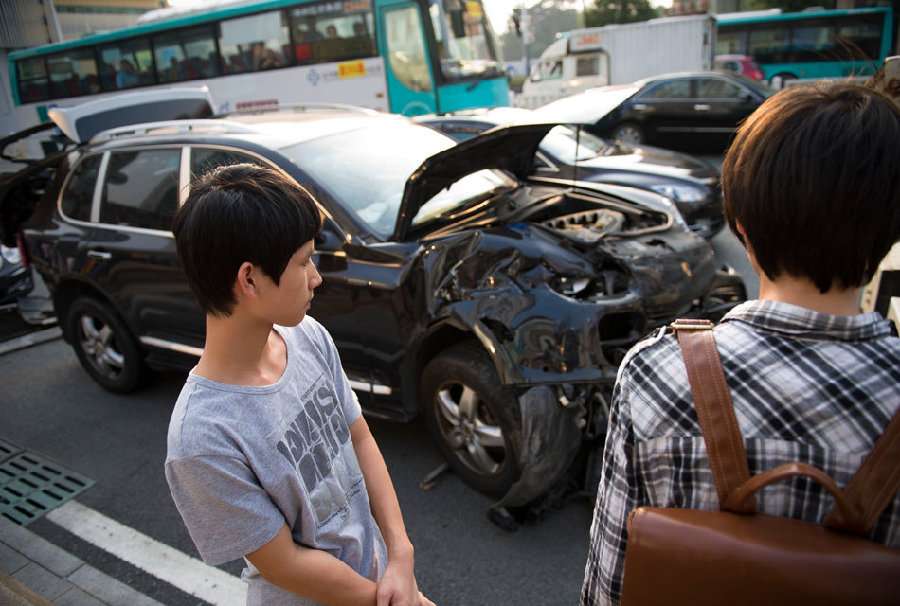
[[158, 559]]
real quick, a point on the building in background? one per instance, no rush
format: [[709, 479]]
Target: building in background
[[79, 17]]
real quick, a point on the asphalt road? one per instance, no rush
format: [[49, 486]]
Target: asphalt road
[[49, 406]]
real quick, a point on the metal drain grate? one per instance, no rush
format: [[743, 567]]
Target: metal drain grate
[[30, 486], [8, 449]]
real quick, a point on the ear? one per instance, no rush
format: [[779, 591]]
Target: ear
[[245, 282], [741, 230]]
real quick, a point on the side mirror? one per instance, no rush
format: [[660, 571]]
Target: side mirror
[[330, 237]]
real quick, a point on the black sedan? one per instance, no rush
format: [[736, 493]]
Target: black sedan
[[570, 154], [693, 111]]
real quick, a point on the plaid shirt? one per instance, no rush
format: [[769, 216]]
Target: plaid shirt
[[806, 387]]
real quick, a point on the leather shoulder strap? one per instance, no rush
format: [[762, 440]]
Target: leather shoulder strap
[[874, 485], [715, 411]]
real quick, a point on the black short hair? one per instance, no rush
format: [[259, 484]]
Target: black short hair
[[239, 213], [813, 176]]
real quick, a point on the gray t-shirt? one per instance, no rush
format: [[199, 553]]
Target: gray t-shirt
[[244, 460]]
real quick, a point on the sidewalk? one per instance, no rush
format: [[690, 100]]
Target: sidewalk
[[34, 572]]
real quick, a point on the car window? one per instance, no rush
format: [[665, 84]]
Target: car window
[[79, 191], [205, 159], [676, 89], [141, 188], [713, 88], [587, 66]]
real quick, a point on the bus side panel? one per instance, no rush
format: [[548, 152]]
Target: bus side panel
[[357, 82], [465, 95]]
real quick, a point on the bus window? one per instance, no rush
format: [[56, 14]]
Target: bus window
[[188, 54], [73, 73], [863, 38], [126, 64], [730, 43], [32, 78], [768, 45], [255, 43], [406, 49], [329, 32]]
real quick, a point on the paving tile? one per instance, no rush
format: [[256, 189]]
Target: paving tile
[[42, 581], [10, 559], [107, 589], [48, 555], [77, 597]]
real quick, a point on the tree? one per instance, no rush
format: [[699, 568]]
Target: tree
[[545, 24], [605, 12]]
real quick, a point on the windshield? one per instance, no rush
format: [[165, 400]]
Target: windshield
[[465, 40], [570, 146], [366, 171]]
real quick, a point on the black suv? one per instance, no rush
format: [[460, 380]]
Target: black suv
[[495, 307]]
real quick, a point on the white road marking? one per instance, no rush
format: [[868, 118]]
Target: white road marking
[[163, 562]]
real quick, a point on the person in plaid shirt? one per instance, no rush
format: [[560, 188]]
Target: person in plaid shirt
[[811, 186]]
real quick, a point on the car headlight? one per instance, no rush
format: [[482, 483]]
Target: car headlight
[[10, 255], [681, 193]]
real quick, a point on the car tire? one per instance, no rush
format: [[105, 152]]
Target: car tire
[[105, 346], [629, 132], [778, 81], [473, 418]]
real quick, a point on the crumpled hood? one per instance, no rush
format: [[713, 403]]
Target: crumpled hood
[[509, 148]]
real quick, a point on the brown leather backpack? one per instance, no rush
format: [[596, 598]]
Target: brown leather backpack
[[738, 556]]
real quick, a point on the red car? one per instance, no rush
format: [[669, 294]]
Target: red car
[[740, 64]]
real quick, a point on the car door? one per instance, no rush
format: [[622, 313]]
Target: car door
[[129, 252], [665, 111], [723, 104], [361, 304]]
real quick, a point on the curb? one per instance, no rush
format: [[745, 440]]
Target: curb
[[33, 571], [31, 339]]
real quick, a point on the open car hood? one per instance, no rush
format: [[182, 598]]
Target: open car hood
[[509, 148]]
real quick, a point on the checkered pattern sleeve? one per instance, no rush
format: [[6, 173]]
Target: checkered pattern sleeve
[[617, 495]]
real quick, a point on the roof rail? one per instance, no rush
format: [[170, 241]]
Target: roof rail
[[303, 107], [173, 127]]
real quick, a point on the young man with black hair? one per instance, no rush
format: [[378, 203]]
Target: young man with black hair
[[811, 186], [268, 455]]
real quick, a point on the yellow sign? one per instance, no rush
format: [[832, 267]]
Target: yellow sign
[[351, 69], [474, 9]]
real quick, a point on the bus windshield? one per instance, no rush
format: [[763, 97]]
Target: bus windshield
[[464, 39]]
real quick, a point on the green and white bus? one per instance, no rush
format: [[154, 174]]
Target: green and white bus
[[402, 56], [809, 44]]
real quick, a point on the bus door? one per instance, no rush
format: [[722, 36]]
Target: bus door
[[410, 84]]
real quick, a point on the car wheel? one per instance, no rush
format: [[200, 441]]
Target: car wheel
[[778, 81], [105, 346], [472, 417], [629, 132]]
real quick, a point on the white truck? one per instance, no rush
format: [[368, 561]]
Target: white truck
[[618, 54]]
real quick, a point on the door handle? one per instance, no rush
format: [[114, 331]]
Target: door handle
[[702, 107], [99, 254], [640, 107]]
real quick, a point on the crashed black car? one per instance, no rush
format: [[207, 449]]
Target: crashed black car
[[496, 308]]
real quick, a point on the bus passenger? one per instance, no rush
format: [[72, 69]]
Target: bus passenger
[[126, 78]]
